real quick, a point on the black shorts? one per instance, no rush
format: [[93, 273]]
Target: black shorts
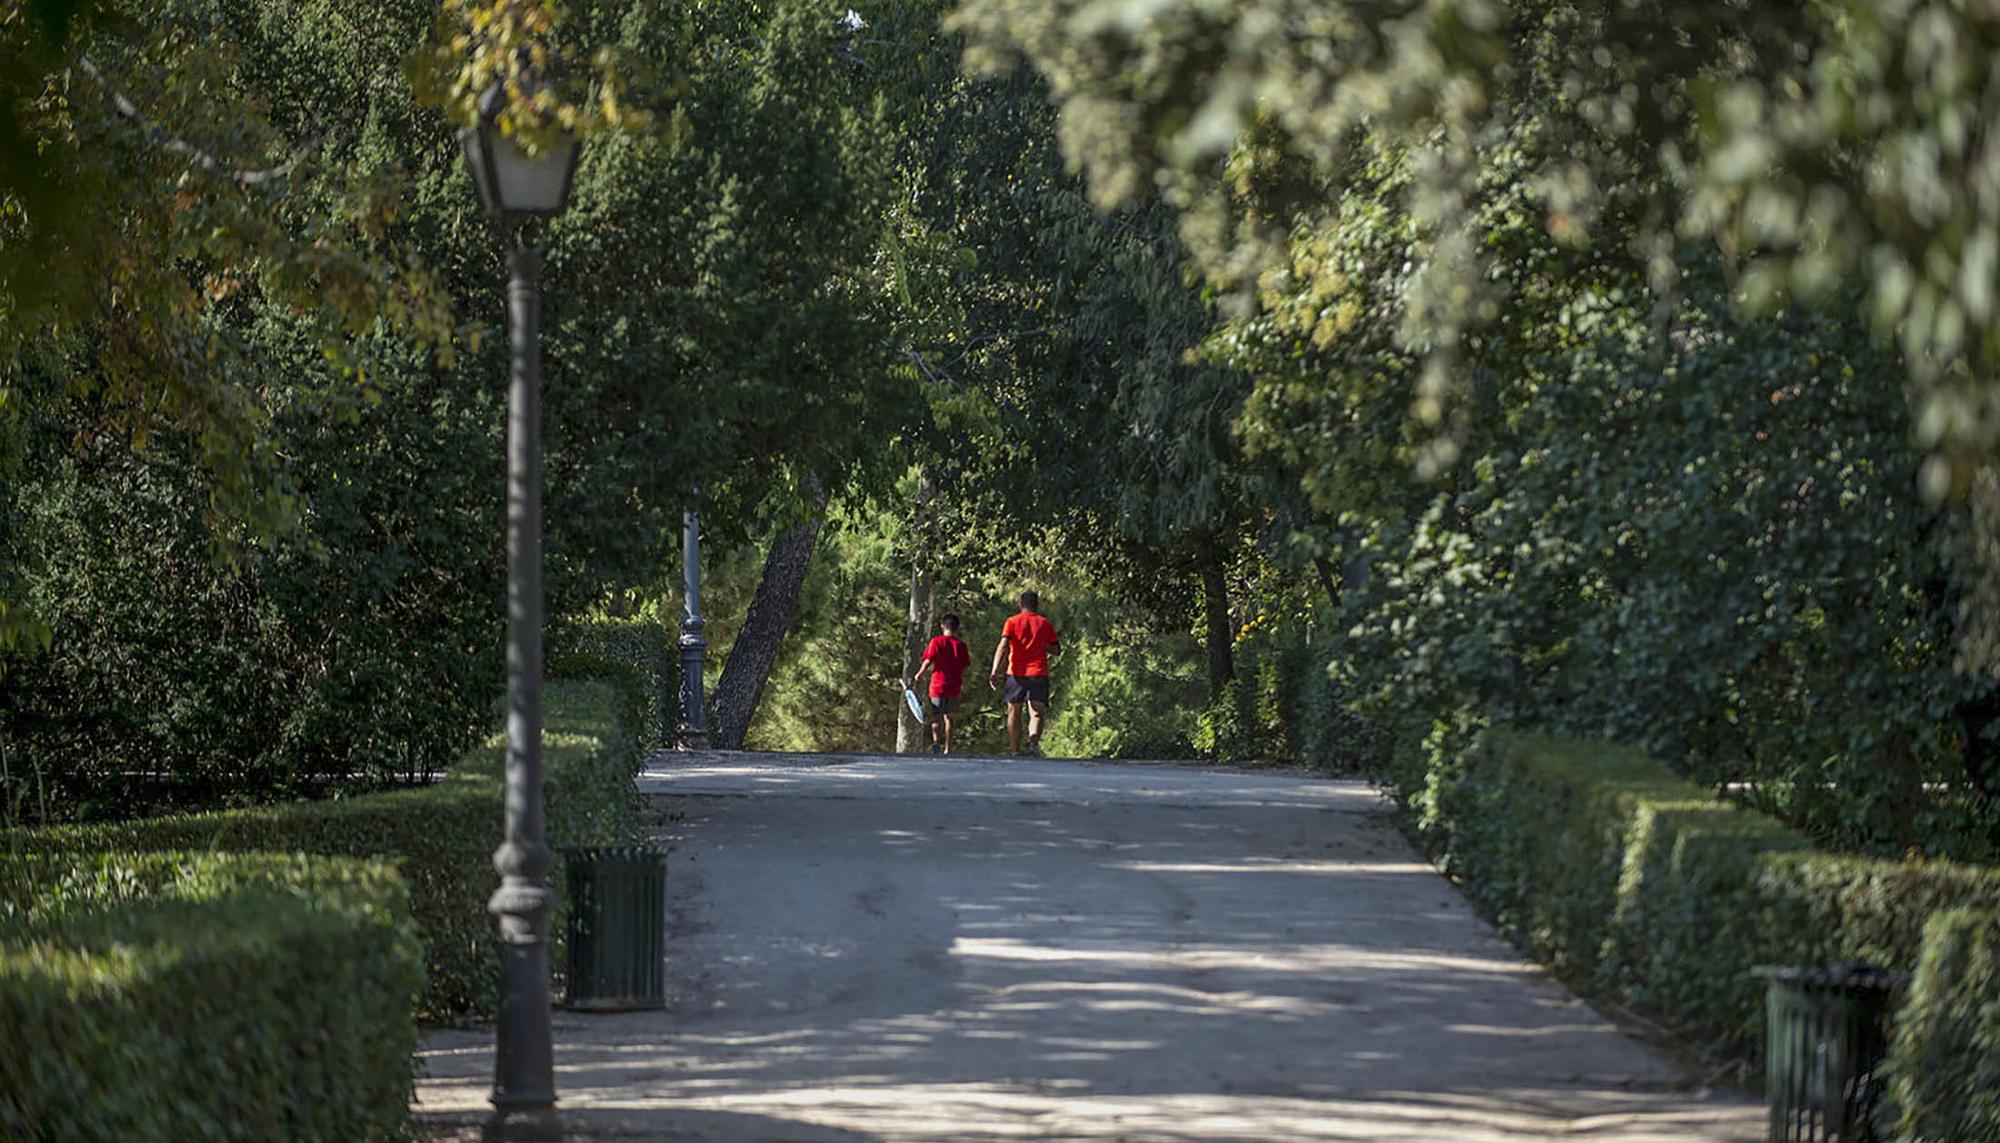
[[1026, 688], [942, 705]]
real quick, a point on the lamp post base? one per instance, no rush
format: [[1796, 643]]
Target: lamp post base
[[523, 1125], [692, 733]]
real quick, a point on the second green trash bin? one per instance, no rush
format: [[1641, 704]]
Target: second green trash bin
[[1823, 1046], [617, 927]]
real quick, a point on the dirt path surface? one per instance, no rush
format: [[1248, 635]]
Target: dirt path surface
[[919, 950]]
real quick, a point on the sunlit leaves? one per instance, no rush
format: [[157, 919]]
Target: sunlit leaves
[[1823, 144], [550, 84], [1869, 160]]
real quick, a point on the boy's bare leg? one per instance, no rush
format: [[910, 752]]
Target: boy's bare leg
[[1013, 728], [1035, 712], [947, 734]]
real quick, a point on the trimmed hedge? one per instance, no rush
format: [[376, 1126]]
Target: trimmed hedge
[[1946, 1057], [300, 974], [636, 654], [1617, 873], [444, 835]]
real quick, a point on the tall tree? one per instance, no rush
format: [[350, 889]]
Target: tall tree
[[1822, 144], [708, 318], [759, 639]]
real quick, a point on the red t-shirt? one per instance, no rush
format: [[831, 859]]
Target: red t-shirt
[[1029, 637], [948, 659]]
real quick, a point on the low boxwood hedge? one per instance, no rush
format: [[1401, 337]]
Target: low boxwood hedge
[[1946, 1057], [444, 835], [176, 997], [1627, 879], [638, 654]]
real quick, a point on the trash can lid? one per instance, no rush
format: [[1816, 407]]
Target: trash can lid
[[611, 853], [1838, 975]]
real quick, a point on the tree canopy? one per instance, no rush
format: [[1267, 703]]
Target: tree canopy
[[1813, 143], [1353, 375]]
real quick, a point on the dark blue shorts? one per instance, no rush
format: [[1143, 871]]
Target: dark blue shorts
[[1026, 688]]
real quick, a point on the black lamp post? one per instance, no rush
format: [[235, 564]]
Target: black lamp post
[[694, 648], [515, 187]]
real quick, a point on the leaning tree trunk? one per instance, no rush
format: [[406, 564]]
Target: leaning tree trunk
[[913, 735], [1329, 581], [1221, 633], [741, 687]]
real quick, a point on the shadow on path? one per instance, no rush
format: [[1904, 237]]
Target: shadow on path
[[925, 950]]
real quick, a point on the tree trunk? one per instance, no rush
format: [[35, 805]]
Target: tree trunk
[[741, 687], [913, 736], [1221, 632], [1982, 752], [1328, 581]]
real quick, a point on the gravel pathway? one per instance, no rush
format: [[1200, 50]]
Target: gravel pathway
[[927, 949]]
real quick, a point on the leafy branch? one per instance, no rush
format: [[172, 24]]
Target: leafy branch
[[240, 176]]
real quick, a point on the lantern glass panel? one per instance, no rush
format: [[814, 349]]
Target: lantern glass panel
[[530, 184], [473, 140]]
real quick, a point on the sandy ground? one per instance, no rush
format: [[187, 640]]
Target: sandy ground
[[924, 949]]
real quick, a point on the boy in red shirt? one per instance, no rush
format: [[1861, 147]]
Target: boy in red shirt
[[1025, 646], [946, 659]]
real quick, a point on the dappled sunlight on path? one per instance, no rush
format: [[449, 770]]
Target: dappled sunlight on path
[[950, 949]]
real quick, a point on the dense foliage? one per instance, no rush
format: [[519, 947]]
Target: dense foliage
[[145, 198], [1712, 548], [300, 975], [1648, 510], [442, 834], [1624, 876], [1944, 1060], [710, 321], [1350, 378], [1815, 142]]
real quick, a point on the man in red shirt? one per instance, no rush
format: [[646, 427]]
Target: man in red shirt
[[1025, 646], [946, 659]]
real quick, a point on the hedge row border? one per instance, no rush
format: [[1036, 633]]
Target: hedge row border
[[440, 837], [1634, 883]]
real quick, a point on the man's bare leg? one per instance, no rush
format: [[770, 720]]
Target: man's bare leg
[[1013, 728], [1035, 712]]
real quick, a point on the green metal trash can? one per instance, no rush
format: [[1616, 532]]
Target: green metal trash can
[[616, 929], [1824, 1038]]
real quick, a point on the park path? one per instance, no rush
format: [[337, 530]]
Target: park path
[[928, 949]]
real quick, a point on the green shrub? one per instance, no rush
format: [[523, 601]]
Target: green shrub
[[1321, 728], [1692, 918], [637, 654], [1425, 765], [177, 997], [1542, 833], [1242, 722], [1707, 594], [1620, 875], [358, 653], [1130, 695], [589, 759], [444, 834], [1945, 1061]]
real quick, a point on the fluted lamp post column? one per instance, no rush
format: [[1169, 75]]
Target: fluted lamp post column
[[694, 648], [515, 188]]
